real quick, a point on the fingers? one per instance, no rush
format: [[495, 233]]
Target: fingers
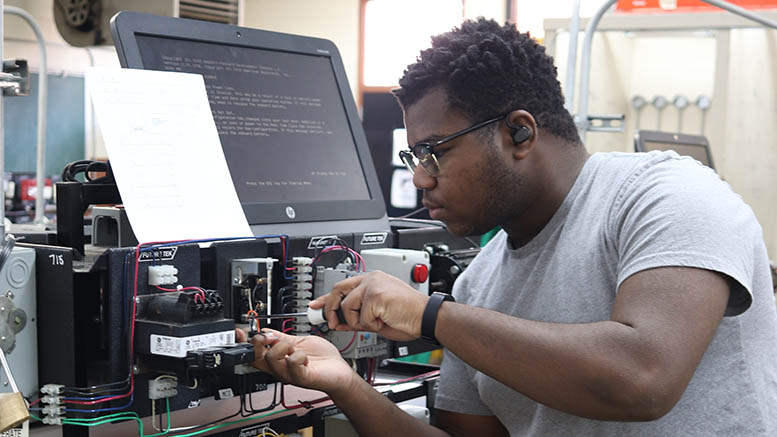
[[240, 336], [276, 354], [350, 304]]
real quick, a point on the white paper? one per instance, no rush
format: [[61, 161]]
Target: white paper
[[166, 155]]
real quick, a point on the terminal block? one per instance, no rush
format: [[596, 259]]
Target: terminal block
[[52, 389], [296, 296], [162, 275], [182, 307], [161, 388]]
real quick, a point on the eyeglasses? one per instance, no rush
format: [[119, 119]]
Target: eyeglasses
[[423, 153]]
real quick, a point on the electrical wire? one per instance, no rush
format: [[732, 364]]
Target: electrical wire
[[214, 425], [410, 214], [130, 381], [301, 404], [355, 333], [72, 170]]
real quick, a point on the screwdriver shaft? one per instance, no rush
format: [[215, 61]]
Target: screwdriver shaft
[[279, 316]]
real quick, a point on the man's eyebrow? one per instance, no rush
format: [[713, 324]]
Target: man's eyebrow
[[431, 138]]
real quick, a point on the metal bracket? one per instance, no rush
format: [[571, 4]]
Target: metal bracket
[[15, 78], [606, 123]]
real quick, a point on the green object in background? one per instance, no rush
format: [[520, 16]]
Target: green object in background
[[423, 357], [488, 236]]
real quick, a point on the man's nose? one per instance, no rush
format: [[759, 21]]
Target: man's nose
[[422, 180]]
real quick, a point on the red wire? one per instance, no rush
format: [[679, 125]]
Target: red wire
[[355, 333], [300, 404], [132, 323], [201, 293]]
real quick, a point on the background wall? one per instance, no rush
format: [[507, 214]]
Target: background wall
[[336, 20], [741, 126], [736, 67]]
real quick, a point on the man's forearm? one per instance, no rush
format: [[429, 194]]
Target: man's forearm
[[583, 369], [373, 414]]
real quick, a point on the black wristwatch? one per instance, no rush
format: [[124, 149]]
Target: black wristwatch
[[429, 319]]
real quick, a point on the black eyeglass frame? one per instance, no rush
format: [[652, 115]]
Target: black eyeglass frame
[[423, 150]]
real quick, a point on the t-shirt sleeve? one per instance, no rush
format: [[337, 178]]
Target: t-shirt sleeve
[[679, 213], [456, 391]]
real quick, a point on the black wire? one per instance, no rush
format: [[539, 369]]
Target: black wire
[[410, 214], [431, 222], [205, 425], [272, 405], [71, 171]]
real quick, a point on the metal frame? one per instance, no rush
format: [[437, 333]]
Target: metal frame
[[739, 18], [43, 96]]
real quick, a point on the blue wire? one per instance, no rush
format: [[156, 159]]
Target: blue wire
[[103, 410]]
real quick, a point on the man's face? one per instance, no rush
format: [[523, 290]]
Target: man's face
[[472, 192]]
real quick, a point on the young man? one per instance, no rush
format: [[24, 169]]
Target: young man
[[627, 293]]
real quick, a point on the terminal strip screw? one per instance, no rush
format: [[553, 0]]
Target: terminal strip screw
[[301, 292], [53, 410]]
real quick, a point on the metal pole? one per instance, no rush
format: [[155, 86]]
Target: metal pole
[[585, 69], [574, 31], [43, 96], [734, 9], [2, 133]]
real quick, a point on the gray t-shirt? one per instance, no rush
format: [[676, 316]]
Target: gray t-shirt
[[627, 213]]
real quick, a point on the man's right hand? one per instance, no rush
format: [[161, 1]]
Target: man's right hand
[[310, 361]]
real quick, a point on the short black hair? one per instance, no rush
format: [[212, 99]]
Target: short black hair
[[487, 70]]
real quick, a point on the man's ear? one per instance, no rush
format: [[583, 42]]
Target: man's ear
[[523, 132]]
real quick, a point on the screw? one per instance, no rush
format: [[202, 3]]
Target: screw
[[455, 270], [5, 383], [9, 294], [2, 309], [135, 370], [137, 300], [236, 280], [2, 338]]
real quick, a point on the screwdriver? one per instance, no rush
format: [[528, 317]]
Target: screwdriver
[[316, 316]]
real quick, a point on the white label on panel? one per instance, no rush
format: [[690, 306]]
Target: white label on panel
[[179, 346]]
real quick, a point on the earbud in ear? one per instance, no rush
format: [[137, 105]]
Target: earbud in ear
[[521, 134]]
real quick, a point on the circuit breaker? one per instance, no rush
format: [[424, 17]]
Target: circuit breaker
[[18, 327]]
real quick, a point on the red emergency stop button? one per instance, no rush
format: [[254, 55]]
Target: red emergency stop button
[[420, 273]]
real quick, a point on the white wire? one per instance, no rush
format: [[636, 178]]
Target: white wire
[[267, 429], [153, 415], [166, 376], [153, 401]]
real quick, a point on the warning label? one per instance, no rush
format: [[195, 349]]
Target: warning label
[[179, 346], [22, 431]]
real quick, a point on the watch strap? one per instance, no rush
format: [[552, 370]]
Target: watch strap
[[429, 318]]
